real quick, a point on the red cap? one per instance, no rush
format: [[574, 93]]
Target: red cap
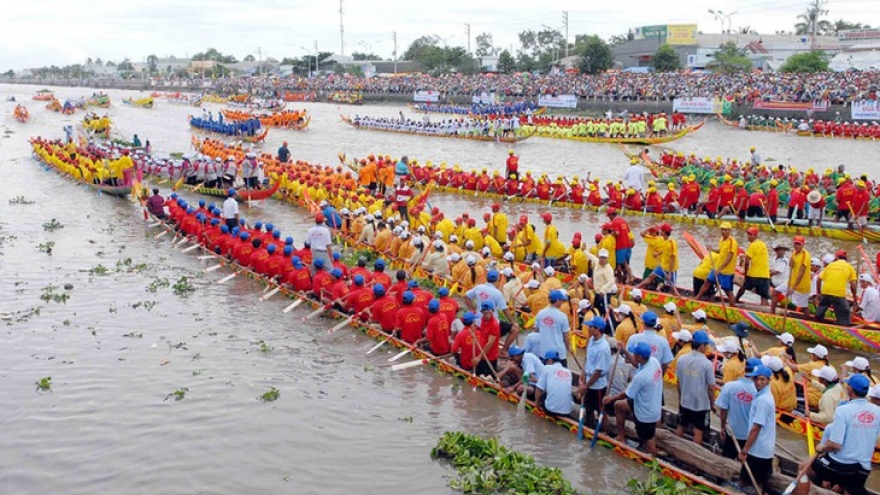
[[576, 243], [607, 226], [840, 254], [471, 222], [752, 231], [319, 218], [487, 216], [611, 211], [465, 215], [547, 217], [598, 237], [577, 235], [666, 227], [496, 207], [458, 220], [523, 219], [435, 210], [799, 239]]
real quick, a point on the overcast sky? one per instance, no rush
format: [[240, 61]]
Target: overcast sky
[[46, 32]]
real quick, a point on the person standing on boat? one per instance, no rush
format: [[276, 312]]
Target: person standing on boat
[[597, 366], [844, 459], [634, 177], [696, 387], [756, 266], [512, 165], [869, 304], [283, 153], [733, 405], [321, 243], [156, 205], [755, 157], [553, 326], [658, 344], [644, 397], [832, 284], [760, 446], [797, 286], [230, 210], [401, 170], [488, 292], [724, 268]]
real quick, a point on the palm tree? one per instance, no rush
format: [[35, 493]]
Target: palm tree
[[810, 20]]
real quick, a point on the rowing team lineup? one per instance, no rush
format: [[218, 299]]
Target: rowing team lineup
[[582, 332]]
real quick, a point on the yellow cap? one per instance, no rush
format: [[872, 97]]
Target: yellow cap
[[738, 183], [671, 186], [773, 182], [726, 225], [752, 148], [713, 182], [652, 189], [630, 192]]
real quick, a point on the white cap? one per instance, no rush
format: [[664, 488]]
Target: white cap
[[828, 258], [485, 251], [377, 215], [368, 217], [773, 362], [397, 230], [815, 262], [508, 256], [727, 346], [623, 308], [455, 257], [669, 307], [471, 260], [417, 241], [404, 235], [603, 253], [344, 211], [438, 235], [635, 293], [469, 244], [438, 244], [826, 373], [583, 277], [786, 338], [536, 266], [533, 284], [507, 272], [683, 335], [865, 277], [858, 363], [453, 238], [421, 229], [405, 223], [699, 314], [322, 203], [874, 392], [549, 271], [820, 351], [584, 304]]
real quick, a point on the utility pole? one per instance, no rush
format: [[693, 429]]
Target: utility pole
[[341, 31], [816, 10], [565, 22], [394, 52], [467, 32], [316, 58]]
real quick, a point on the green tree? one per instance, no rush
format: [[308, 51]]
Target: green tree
[[816, 61], [249, 58], [485, 46], [365, 56], [125, 65], [595, 55], [152, 62], [9, 73], [506, 63], [619, 39], [666, 59], [729, 60], [841, 25], [809, 21]]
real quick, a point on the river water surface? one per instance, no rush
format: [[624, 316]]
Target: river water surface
[[124, 340]]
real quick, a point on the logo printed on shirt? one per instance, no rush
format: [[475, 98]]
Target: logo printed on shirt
[[562, 373], [658, 375], [483, 296], [866, 417], [548, 321], [744, 396]]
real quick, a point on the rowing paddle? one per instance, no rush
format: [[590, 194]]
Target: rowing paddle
[[191, 248], [400, 355], [214, 268], [161, 234], [317, 312], [227, 278], [595, 438], [270, 293], [341, 324], [377, 346], [745, 463], [293, 305], [521, 406], [800, 478], [207, 257], [410, 364]]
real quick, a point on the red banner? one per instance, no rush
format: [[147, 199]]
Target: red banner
[[818, 106]]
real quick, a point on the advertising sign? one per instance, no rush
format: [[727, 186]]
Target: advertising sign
[[558, 101]]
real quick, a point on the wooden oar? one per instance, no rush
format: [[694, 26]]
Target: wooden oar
[[341, 324], [227, 278], [410, 364], [769, 218], [811, 442], [161, 234], [598, 428], [270, 293], [745, 463], [377, 346], [317, 312], [400, 355], [191, 248], [800, 478], [293, 305], [214, 268], [521, 406]]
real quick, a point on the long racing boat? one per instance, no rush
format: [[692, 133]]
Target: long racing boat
[[498, 139], [564, 134]]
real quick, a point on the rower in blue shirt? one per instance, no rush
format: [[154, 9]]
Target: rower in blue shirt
[[658, 344], [644, 397], [553, 394], [733, 405], [597, 367], [845, 457]]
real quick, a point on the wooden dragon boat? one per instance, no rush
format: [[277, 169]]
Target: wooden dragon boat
[[620, 140], [498, 139]]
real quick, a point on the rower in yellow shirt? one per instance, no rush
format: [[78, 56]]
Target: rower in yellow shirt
[[445, 227], [472, 233], [552, 249], [798, 286], [490, 242], [609, 243], [724, 267], [498, 224], [577, 260]]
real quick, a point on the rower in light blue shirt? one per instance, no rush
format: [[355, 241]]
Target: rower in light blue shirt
[[734, 403], [659, 345], [761, 443], [554, 386], [553, 326]]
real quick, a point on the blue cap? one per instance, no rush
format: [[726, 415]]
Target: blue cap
[[859, 383], [408, 297], [288, 241], [190, 210], [379, 290], [596, 322], [443, 292], [751, 363], [241, 221], [487, 306], [288, 250], [641, 349], [215, 222], [244, 236], [258, 225], [412, 284], [649, 319], [515, 350], [269, 227], [557, 295], [212, 206], [492, 276], [433, 305], [296, 259], [202, 202], [173, 195], [741, 329], [224, 228], [551, 355], [271, 248], [319, 263], [276, 234], [467, 318], [336, 272], [358, 280], [760, 370], [231, 192], [235, 230], [379, 263], [337, 256], [700, 337]]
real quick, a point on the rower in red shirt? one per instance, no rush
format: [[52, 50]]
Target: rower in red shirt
[[379, 276], [243, 250], [671, 201], [466, 346], [654, 202], [384, 309], [448, 305], [773, 201], [489, 336], [410, 320], [543, 189], [421, 296], [361, 297], [399, 287], [339, 290], [595, 197], [361, 269], [259, 257], [437, 332], [322, 281], [576, 193], [300, 278], [713, 199], [741, 202]]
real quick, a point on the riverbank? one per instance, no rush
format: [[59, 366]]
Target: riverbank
[[595, 106]]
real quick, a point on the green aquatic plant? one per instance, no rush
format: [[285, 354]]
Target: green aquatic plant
[[52, 225], [178, 394], [21, 200], [46, 247], [270, 396], [183, 287], [44, 383]]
